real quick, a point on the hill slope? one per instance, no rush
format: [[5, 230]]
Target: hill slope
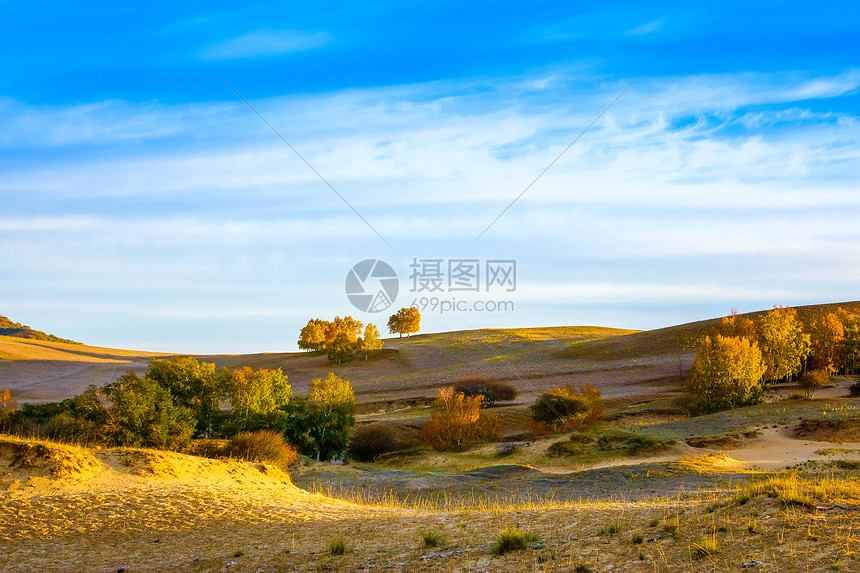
[[18, 330]]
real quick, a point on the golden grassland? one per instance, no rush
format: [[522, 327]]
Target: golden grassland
[[12, 348], [74, 509]]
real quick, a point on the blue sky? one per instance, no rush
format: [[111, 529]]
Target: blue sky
[[143, 205]]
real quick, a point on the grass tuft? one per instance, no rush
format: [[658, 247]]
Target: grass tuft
[[430, 539], [512, 539], [337, 546]]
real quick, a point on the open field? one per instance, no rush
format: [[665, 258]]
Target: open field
[[70, 509], [775, 486]]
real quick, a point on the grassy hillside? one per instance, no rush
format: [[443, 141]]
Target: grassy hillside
[[18, 330]]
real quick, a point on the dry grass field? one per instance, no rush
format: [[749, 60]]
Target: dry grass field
[[772, 487]]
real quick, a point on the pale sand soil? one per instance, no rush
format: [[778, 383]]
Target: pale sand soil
[[71, 509]]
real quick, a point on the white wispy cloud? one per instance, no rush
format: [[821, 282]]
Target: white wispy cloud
[[267, 42], [680, 169]]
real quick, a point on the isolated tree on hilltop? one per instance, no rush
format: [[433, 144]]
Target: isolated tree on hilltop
[[313, 335], [405, 321]]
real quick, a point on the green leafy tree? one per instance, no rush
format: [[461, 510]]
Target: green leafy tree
[[405, 321], [255, 393], [143, 414], [783, 344], [329, 416], [195, 385], [726, 373]]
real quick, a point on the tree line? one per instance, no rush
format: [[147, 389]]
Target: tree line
[[735, 363], [347, 338], [179, 398]]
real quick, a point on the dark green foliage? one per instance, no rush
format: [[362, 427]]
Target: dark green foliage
[[320, 424], [854, 389], [193, 385], [144, 414], [18, 330], [371, 440], [492, 390]]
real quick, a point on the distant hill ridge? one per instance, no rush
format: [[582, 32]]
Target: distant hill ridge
[[16, 329]]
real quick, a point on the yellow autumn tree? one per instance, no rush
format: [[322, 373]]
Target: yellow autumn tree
[[456, 421], [255, 392], [726, 373], [827, 340], [850, 351], [405, 321], [313, 335], [784, 346], [737, 325]]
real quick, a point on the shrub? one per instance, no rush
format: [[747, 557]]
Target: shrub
[[372, 440], [637, 538], [568, 408], [812, 381], [262, 446], [456, 421], [492, 390], [854, 389], [512, 539]]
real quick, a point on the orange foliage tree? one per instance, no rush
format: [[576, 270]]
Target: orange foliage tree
[[828, 338], [456, 421], [737, 325]]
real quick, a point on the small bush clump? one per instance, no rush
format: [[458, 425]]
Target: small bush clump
[[372, 440], [430, 539], [512, 539], [337, 546], [263, 446], [854, 389], [568, 408], [492, 390], [812, 381]]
